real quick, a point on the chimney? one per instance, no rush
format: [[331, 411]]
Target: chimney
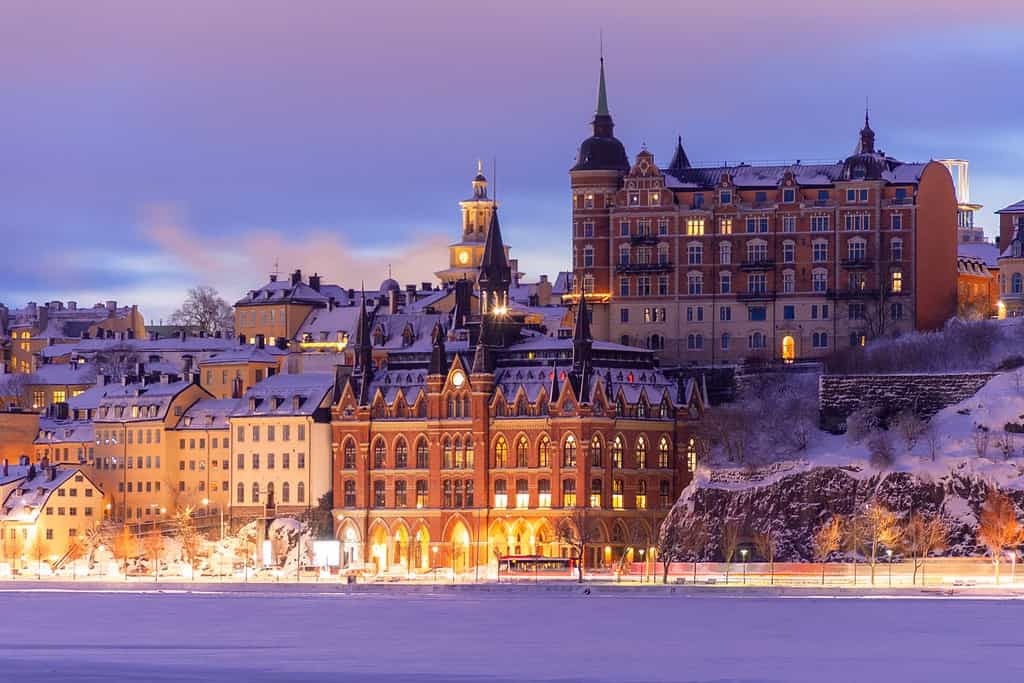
[[236, 387], [187, 361], [392, 302], [111, 306], [165, 378], [314, 281], [273, 277], [426, 286], [351, 296], [260, 341], [72, 305], [51, 473], [195, 378], [131, 333], [410, 290], [281, 343], [296, 277], [6, 470]]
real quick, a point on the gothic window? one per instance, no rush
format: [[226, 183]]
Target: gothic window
[[380, 454], [569, 452], [401, 453], [501, 453], [664, 453], [422, 454], [522, 452], [641, 452], [595, 452]]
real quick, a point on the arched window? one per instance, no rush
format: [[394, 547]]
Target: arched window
[[349, 455], [617, 488], [270, 493], [544, 452], [401, 453], [595, 493], [240, 495], [642, 408], [350, 493], [380, 454], [691, 455], [422, 454], [448, 458], [522, 452], [286, 491], [470, 454], [255, 492], [596, 455], [460, 455], [400, 494], [641, 495], [617, 452], [300, 492], [569, 452], [1018, 283], [641, 453], [522, 410], [500, 452], [663, 453], [465, 406]]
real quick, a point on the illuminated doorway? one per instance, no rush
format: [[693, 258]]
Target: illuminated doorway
[[788, 349]]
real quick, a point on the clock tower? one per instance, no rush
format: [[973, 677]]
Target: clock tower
[[466, 254]]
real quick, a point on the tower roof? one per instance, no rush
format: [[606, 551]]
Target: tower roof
[[679, 159], [494, 266], [581, 328], [602, 94], [602, 151]]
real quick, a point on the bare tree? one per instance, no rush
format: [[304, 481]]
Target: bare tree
[[153, 546], [998, 527], [827, 540], [910, 427], [12, 391], [933, 438], [680, 540], [185, 529], [981, 435], [876, 528], [730, 540], [880, 449], [578, 530], [924, 536], [118, 359], [766, 543], [728, 429], [204, 311]]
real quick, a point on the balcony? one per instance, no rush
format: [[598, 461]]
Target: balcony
[[904, 201], [643, 267], [643, 239], [854, 293], [759, 264], [755, 296], [856, 263]]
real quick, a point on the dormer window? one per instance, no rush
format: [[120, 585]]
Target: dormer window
[[725, 197], [788, 195]]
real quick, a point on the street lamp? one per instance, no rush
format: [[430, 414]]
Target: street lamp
[[743, 554], [888, 554], [643, 565], [434, 549]]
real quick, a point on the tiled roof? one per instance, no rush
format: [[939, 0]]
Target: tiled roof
[[744, 175], [986, 252], [1013, 208], [277, 395]]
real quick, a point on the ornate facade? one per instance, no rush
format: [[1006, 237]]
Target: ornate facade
[[775, 262], [481, 445]]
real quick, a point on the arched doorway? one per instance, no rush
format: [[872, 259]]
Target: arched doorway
[[379, 543], [459, 541], [400, 555], [420, 553], [498, 540], [788, 349], [349, 538]]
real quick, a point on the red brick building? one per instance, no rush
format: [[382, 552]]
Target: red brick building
[[479, 447], [707, 264]]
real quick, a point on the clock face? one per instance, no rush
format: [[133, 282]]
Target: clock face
[[463, 257], [458, 378]]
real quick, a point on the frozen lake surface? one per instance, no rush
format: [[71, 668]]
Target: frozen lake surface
[[504, 636]]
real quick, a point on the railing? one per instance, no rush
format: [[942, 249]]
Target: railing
[[854, 293], [643, 267], [853, 263], [643, 239], [759, 264], [755, 296]]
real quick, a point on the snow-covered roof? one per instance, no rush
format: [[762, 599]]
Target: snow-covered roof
[[744, 175], [1017, 207], [53, 431], [208, 413], [139, 401], [63, 374], [29, 497], [250, 353], [285, 395], [986, 252]]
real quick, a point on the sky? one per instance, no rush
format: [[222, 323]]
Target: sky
[[149, 147]]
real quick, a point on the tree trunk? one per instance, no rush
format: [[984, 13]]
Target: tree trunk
[[664, 576], [579, 567], [873, 551], [823, 573], [997, 569], [695, 571]]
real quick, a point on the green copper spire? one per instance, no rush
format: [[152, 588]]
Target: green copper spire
[[602, 94]]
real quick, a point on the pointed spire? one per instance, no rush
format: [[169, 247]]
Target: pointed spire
[[438, 355], [680, 161], [866, 144], [363, 366], [581, 328], [602, 94], [495, 273], [582, 350]]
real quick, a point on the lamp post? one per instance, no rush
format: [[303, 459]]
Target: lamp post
[[888, 554], [434, 549], [643, 565], [743, 554]]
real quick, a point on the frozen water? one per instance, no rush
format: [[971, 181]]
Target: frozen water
[[500, 635]]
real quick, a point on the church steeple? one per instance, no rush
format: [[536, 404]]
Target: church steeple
[[582, 348], [362, 372], [479, 182], [603, 125], [438, 355], [495, 274], [601, 151]]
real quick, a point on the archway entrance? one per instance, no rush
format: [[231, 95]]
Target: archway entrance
[[788, 349], [379, 548], [349, 546], [401, 553], [421, 550], [460, 547]]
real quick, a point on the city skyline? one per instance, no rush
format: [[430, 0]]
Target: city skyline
[[163, 148]]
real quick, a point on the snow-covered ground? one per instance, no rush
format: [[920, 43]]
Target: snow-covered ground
[[502, 635]]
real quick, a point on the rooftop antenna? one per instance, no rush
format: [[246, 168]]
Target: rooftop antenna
[[277, 267], [494, 176]]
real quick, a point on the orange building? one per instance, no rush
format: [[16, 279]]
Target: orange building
[[480, 446], [724, 263]]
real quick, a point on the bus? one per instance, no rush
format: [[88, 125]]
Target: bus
[[535, 566]]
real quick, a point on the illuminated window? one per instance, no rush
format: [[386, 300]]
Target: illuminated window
[[664, 453], [641, 495], [59, 396], [544, 452], [897, 281], [544, 493], [569, 493], [595, 452], [500, 494], [640, 452], [522, 494], [501, 453], [695, 227], [522, 452], [617, 488], [569, 452], [725, 226], [595, 493], [616, 452], [691, 455], [421, 493]]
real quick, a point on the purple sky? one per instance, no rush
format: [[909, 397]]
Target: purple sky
[[147, 148]]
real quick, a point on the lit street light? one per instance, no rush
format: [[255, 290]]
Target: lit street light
[[435, 563], [889, 555], [743, 554]]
